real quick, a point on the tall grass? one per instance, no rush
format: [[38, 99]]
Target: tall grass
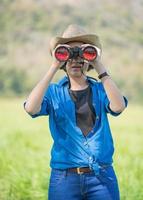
[[25, 153]]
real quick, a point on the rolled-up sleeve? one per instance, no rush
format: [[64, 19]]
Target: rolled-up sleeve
[[108, 109], [45, 105], [106, 103]]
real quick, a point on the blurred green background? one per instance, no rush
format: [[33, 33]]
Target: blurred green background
[[26, 27]]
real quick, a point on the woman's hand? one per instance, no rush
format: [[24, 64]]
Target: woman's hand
[[56, 63], [97, 64]]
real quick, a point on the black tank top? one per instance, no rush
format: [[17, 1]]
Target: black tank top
[[85, 113]]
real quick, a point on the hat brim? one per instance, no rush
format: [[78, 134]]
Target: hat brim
[[88, 38]]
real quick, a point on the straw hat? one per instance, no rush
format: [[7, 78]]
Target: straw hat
[[75, 33]]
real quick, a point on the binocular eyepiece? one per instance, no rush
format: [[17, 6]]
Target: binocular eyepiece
[[64, 53]]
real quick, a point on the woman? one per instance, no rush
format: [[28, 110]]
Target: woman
[[81, 156]]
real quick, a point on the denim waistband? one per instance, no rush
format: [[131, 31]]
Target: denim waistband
[[103, 166]]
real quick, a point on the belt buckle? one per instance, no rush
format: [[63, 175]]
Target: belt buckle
[[78, 171]]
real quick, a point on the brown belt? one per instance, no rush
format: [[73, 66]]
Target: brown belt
[[80, 170]]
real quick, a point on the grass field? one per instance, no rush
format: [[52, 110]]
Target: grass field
[[25, 153]]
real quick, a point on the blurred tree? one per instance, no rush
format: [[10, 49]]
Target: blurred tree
[[29, 24], [13, 81]]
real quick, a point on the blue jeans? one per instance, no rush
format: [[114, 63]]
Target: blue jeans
[[72, 186]]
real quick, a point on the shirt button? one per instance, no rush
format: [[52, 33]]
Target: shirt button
[[90, 158], [85, 143], [97, 117]]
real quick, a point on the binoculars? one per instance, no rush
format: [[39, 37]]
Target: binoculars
[[64, 53]]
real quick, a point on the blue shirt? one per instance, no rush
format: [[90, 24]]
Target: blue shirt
[[71, 148]]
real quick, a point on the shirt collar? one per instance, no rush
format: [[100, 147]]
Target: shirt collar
[[65, 80]]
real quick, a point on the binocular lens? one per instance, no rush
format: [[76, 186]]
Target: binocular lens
[[62, 54], [89, 53]]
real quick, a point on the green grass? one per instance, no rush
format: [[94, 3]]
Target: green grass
[[25, 153]]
